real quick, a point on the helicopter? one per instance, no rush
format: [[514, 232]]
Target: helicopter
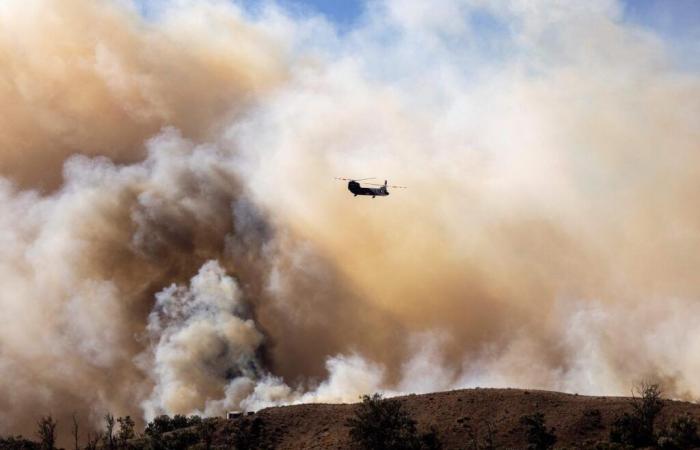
[[357, 189]]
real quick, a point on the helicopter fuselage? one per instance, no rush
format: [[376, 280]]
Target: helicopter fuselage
[[357, 189]]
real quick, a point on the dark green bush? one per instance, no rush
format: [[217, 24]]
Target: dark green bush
[[158, 426], [181, 439], [592, 420], [164, 424], [381, 423], [646, 409], [172, 433], [18, 443], [430, 440], [179, 421], [206, 429], [249, 434], [538, 436], [479, 437], [682, 433], [627, 429], [637, 429]]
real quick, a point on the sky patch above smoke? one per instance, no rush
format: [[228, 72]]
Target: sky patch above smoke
[[492, 34]]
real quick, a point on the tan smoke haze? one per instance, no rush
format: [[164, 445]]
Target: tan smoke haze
[[173, 240]]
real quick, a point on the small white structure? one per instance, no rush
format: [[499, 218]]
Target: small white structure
[[233, 414]]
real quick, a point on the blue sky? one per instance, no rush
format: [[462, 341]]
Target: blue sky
[[673, 19], [677, 22], [342, 12]]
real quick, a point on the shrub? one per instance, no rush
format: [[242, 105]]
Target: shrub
[[179, 421], [163, 424], [474, 439], [647, 408], [18, 443], [194, 421], [180, 439], [637, 429], [488, 443], [158, 426], [626, 429], [172, 433], [431, 440], [538, 436], [682, 433], [206, 430], [592, 420], [383, 424], [250, 435]]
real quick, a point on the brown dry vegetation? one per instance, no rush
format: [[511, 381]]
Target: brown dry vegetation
[[462, 419]]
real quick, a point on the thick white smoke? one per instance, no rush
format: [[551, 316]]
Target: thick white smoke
[[202, 340], [173, 240]]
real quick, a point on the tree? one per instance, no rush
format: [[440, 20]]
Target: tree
[[75, 432], [126, 430], [92, 440], [381, 423], [179, 421], [158, 426], [163, 423], [647, 408], [109, 431], [637, 428], [538, 436], [47, 432]]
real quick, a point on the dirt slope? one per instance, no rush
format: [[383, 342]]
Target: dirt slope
[[321, 426]]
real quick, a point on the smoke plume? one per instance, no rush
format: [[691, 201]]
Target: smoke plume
[[173, 240]]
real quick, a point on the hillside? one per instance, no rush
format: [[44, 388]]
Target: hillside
[[461, 418]]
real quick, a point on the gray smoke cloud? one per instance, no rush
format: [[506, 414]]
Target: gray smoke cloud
[[173, 241]]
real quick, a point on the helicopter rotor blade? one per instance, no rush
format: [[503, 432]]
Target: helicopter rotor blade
[[389, 186], [352, 179]]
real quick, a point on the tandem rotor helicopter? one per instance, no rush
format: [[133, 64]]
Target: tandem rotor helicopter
[[357, 189]]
